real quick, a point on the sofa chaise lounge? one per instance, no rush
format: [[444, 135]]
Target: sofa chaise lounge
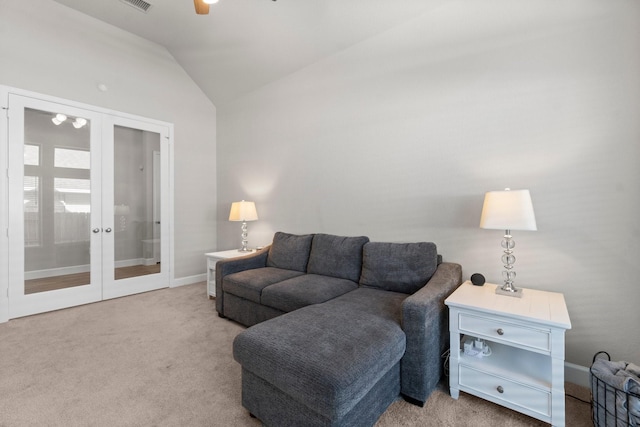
[[339, 326]]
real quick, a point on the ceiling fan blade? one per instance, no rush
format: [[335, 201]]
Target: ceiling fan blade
[[202, 8]]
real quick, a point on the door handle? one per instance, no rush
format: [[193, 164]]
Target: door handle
[[96, 230], [108, 230]]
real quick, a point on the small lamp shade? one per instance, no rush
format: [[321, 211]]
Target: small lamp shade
[[243, 211], [508, 210]]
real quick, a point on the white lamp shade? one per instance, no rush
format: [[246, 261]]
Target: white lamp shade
[[508, 210], [243, 211]]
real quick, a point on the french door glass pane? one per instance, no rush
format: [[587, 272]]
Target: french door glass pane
[[136, 202], [72, 207], [31, 155], [32, 233], [57, 195], [74, 159]]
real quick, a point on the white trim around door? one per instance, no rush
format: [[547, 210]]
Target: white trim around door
[[14, 302]]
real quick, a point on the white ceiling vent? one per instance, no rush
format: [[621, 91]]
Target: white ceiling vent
[[140, 5]]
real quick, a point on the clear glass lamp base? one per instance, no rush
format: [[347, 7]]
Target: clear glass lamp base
[[245, 234], [508, 274]]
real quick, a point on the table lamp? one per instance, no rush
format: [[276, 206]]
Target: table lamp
[[508, 210], [243, 211]]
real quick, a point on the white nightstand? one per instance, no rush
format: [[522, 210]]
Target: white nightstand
[[525, 371], [212, 259]]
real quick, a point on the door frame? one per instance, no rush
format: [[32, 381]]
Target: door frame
[[5, 92]]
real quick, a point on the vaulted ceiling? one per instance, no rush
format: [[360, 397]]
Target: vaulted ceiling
[[242, 45]]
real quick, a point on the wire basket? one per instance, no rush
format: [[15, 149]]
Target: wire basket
[[610, 405]]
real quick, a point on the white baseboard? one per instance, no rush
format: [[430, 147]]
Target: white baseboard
[[130, 262], [124, 263], [62, 271], [54, 272], [189, 280], [576, 374]]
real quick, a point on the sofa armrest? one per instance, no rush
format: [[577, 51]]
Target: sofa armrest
[[426, 325], [235, 265]]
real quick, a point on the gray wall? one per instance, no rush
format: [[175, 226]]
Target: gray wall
[[48, 48], [398, 138]]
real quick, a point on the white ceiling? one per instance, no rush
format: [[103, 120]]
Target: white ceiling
[[245, 44]]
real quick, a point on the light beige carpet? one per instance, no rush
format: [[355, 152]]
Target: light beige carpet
[[163, 358]]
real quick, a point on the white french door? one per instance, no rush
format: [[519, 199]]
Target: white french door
[[137, 250], [83, 215]]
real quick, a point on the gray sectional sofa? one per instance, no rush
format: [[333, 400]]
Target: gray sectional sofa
[[339, 326]]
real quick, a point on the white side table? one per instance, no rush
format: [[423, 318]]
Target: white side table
[[212, 259], [525, 371]]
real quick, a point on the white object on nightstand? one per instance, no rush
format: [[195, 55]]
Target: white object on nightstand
[[212, 259], [525, 371]]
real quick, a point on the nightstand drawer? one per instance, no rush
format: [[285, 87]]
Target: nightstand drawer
[[506, 332], [532, 399]]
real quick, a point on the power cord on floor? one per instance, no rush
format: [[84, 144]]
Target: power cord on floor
[[577, 398], [445, 356]]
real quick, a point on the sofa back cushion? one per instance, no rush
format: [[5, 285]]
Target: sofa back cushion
[[336, 256], [290, 251], [398, 267]]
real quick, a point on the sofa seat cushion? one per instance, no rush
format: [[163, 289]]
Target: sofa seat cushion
[[290, 251], [300, 291], [323, 356], [385, 304], [336, 256], [249, 284], [398, 267]]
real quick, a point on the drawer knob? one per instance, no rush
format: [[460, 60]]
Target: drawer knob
[[500, 389], [500, 331]]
